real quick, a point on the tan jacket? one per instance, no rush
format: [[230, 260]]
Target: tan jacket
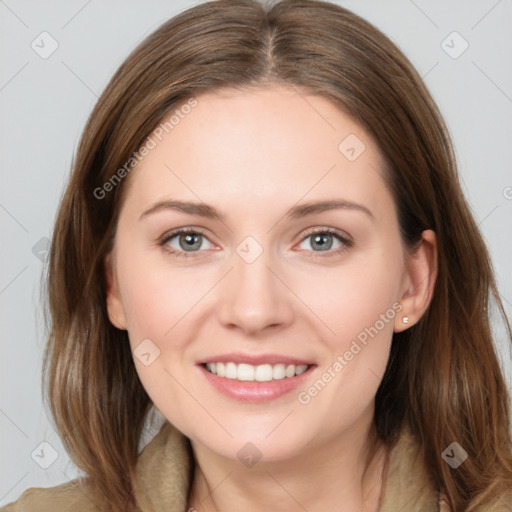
[[164, 468]]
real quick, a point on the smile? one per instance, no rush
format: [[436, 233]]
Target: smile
[[256, 383], [250, 373]]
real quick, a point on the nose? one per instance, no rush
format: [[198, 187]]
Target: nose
[[254, 297]]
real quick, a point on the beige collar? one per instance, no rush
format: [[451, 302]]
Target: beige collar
[[408, 487], [165, 466]]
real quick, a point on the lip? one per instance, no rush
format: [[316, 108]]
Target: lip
[[254, 359], [255, 392]]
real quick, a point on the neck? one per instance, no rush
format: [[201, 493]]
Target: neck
[[340, 475]]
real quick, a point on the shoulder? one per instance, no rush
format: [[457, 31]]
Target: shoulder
[[68, 497], [407, 483], [164, 473]]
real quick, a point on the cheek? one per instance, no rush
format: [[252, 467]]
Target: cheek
[[157, 297], [358, 304], [355, 298], [158, 303]]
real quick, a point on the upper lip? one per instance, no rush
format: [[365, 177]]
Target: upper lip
[[254, 359]]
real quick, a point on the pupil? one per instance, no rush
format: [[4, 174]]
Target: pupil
[[323, 244], [189, 240]]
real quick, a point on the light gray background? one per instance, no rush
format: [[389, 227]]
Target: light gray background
[[45, 103]]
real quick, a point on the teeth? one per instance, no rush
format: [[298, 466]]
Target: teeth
[[245, 372], [263, 373], [231, 372], [221, 370], [278, 372], [301, 369], [250, 373]]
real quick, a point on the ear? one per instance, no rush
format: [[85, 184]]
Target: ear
[[418, 282], [114, 304]]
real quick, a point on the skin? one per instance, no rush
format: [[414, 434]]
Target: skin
[[254, 154]]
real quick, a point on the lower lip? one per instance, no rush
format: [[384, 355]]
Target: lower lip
[[255, 392]]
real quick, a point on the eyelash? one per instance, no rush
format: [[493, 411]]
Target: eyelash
[[347, 243]]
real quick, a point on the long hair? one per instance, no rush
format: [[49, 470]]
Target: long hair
[[443, 378]]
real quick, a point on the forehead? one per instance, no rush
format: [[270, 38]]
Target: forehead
[[262, 146]]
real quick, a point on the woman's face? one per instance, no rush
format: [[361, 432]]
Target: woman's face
[[263, 284]]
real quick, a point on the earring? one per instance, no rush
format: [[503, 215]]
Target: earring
[[405, 319]]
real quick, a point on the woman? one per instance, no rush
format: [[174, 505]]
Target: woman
[[264, 239]]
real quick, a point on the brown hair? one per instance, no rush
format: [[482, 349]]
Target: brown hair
[[443, 378]]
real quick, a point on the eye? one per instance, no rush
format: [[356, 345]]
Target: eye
[[187, 242], [323, 239]]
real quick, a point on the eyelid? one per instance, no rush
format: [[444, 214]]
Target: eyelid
[[326, 229], [188, 229]]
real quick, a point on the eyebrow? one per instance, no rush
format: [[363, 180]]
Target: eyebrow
[[296, 212]]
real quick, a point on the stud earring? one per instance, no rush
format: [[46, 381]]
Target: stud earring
[[405, 319]]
